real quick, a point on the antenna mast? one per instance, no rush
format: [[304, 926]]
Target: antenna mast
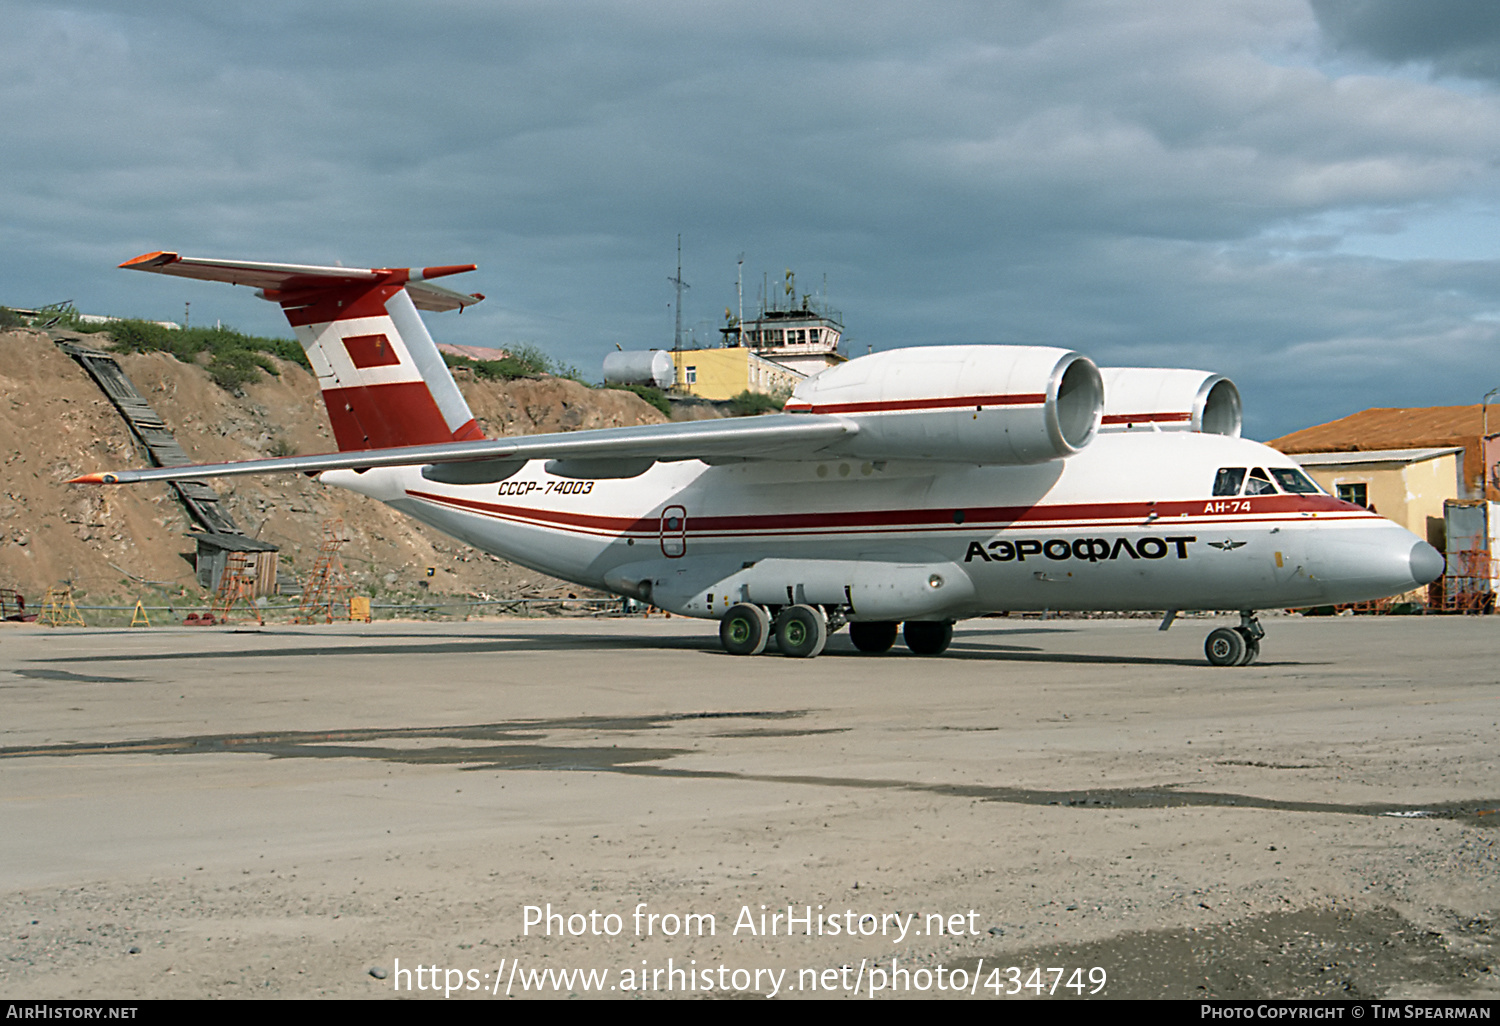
[[677, 335]]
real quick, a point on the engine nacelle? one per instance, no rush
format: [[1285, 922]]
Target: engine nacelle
[[1170, 399], [1002, 405]]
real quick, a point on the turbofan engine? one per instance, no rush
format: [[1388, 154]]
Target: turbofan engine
[[1004, 405], [1170, 399]]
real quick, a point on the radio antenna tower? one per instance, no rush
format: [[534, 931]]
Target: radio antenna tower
[[677, 336]]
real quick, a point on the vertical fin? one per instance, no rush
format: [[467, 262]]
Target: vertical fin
[[384, 382]]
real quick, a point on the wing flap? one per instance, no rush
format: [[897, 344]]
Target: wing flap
[[779, 436]]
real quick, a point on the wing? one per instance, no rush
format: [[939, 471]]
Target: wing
[[609, 452]]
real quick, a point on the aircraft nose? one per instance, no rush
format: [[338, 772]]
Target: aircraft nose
[[1427, 563]]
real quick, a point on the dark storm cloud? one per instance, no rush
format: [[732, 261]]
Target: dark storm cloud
[[1457, 37], [1165, 182]]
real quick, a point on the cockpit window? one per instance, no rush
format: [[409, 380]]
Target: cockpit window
[[1294, 481], [1228, 480], [1259, 483]]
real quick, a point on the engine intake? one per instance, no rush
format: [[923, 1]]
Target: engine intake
[[1170, 399]]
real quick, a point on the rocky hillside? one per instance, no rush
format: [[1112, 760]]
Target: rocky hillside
[[120, 543]]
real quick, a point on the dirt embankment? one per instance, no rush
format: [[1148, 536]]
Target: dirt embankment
[[55, 423]]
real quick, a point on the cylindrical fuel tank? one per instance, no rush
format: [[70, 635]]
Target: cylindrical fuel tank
[[651, 367]]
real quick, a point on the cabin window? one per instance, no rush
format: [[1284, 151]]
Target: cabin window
[[1259, 483], [1294, 482], [1228, 480], [1358, 494]]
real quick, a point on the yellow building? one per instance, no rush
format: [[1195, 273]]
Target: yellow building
[[725, 373], [1408, 486], [1404, 463]]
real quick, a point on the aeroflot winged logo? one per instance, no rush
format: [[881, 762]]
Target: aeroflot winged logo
[[1226, 545], [1090, 549]]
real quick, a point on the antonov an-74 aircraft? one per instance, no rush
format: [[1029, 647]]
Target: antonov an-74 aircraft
[[900, 491]]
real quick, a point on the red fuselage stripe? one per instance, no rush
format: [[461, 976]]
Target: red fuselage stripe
[[1147, 418], [1062, 516], [956, 402]]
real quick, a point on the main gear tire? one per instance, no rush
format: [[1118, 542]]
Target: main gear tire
[[745, 629], [873, 636], [801, 631], [927, 637]]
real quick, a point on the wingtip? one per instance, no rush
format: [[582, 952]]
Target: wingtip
[[442, 271], [147, 261], [95, 479]]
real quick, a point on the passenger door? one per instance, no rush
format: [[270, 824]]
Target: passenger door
[[673, 532]]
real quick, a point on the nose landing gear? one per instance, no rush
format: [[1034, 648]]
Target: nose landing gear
[[1235, 646]]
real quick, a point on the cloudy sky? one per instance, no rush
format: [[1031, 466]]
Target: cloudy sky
[[1302, 194]]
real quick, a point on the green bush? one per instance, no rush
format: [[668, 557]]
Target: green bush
[[233, 369], [520, 361], [750, 404], [235, 359]]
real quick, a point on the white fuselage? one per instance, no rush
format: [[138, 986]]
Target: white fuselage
[[1129, 523]]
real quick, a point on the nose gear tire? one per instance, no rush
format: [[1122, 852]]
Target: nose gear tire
[[1226, 646], [1252, 646]]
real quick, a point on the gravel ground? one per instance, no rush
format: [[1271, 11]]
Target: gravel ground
[[299, 812]]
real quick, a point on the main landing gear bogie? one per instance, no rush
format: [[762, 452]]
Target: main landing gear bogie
[[801, 632], [1235, 646]]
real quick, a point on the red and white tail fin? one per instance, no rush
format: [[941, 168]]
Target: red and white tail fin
[[384, 382]]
